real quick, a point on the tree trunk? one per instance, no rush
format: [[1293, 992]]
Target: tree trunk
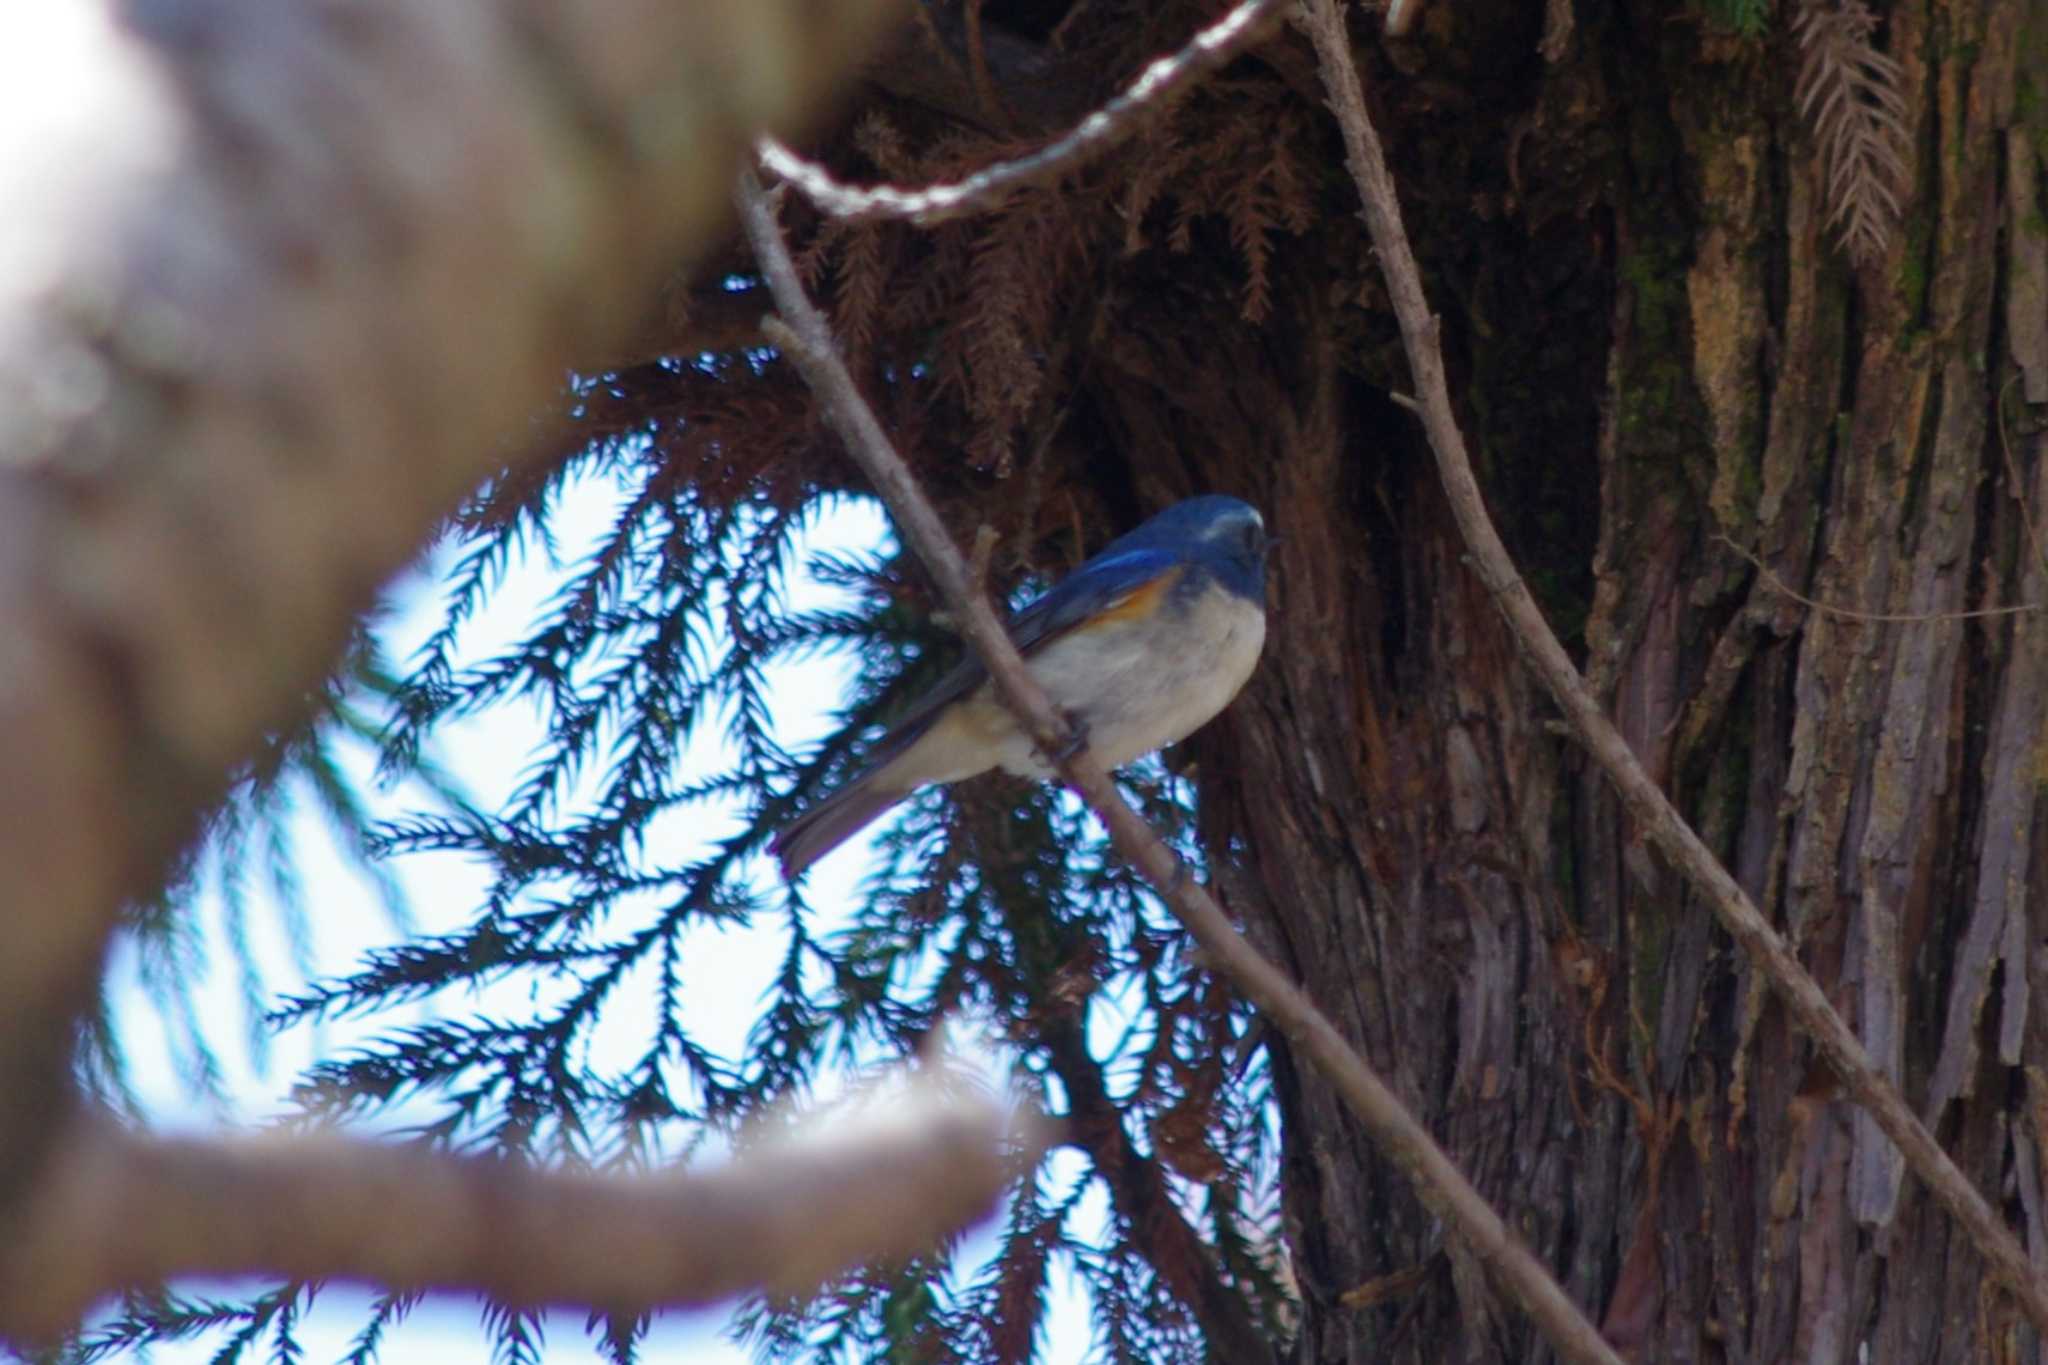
[[1688, 407]]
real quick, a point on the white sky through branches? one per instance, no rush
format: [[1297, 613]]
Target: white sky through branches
[[728, 970]]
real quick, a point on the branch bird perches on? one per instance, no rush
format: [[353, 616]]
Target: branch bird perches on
[[804, 337]]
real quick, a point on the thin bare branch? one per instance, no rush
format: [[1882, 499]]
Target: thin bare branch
[[1645, 802], [989, 188], [804, 337], [880, 1181], [1784, 589]]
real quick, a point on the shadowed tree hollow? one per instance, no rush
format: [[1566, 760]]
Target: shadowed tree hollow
[[1746, 319]]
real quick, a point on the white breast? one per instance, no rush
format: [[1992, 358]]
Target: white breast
[[1139, 687]]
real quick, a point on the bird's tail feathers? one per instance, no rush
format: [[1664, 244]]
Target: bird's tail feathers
[[831, 823]]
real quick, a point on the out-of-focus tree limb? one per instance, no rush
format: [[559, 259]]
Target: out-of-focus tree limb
[[278, 284], [117, 1211]]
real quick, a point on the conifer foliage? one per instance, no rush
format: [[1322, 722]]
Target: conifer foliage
[[1004, 911]]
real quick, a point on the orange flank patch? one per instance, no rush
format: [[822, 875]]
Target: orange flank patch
[[1136, 604]]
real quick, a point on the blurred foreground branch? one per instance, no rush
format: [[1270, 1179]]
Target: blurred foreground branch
[[871, 1181], [278, 286]]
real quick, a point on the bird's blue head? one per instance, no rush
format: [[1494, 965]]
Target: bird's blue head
[[1221, 535]]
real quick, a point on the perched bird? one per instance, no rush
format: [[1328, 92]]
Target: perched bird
[[1140, 645]]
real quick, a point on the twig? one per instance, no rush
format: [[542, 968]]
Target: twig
[[1645, 802], [804, 337], [121, 1211], [977, 567], [989, 187], [1781, 587]]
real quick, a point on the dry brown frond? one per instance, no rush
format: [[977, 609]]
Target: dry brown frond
[[1246, 208], [863, 274], [931, 288], [1180, 238], [1159, 159], [1850, 93], [1010, 296], [1292, 198], [877, 138], [815, 254], [1246, 171], [1267, 193]]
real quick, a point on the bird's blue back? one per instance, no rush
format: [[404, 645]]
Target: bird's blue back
[[1172, 539]]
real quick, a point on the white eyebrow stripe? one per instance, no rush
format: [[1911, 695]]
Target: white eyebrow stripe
[[1223, 526]]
